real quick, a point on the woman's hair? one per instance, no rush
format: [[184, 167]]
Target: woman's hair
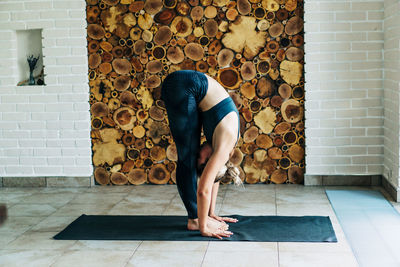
[[227, 173]]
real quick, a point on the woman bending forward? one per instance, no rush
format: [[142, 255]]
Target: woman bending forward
[[194, 99]]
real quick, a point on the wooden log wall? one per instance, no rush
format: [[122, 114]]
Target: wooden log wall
[[254, 48]]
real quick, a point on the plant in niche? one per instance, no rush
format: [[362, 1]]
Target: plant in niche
[[32, 65]]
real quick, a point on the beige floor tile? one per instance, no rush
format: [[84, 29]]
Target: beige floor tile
[[311, 259], [302, 209], [109, 189], [7, 238], [247, 208], [96, 198], [105, 245], [79, 209], [242, 246], [39, 241], [304, 247], [13, 198], [174, 246], [31, 258], [49, 198], [17, 224], [137, 208], [240, 258], [53, 224], [63, 190], [35, 210], [143, 197], [166, 258], [93, 258]]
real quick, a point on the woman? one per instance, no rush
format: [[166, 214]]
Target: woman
[[193, 99]]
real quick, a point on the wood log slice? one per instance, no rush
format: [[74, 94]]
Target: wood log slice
[[194, 51], [175, 54], [153, 6], [282, 128], [196, 13], [165, 16], [250, 134], [276, 29], [248, 90], [276, 101], [121, 83], [244, 7], [156, 113], [294, 25], [294, 53], [137, 176], [296, 153], [229, 78], [279, 176], [101, 176], [163, 35], [159, 174], [181, 26], [265, 87], [94, 60], [99, 109], [292, 111], [265, 120], [275, 153], [122, 66], [211, 28], [95, 31], [243, 37], [172, 153], [125, 118], [118, 178], [157, 153], [291, 72], [237, 157], [264, 141], [296, 175], [248, 70], [154, 66], [139, 131], [284, 90], [127, 166], [127, 98]]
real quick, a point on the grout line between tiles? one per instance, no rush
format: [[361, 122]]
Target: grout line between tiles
[[204, 256], [130, 258]]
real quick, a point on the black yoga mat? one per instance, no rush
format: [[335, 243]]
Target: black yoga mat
[[248, 228]]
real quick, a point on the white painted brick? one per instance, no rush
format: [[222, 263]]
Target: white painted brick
[[350, 16], [13, 170], [367, 141], [40, 5], [48, 170], [78, 171], [47, 152], [63, 161], [70, 5], [8, 161], [23, 15], [4, 16], [354, 150], [77, 23], [34, 161], [350, 169], [15, 116], [45, 116], [8, 125], [366, 26], [54, 14]]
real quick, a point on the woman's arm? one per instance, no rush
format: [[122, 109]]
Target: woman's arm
[[214, 195], [204, 191]]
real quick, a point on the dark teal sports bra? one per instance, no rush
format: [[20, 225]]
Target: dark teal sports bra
[[211, 117]]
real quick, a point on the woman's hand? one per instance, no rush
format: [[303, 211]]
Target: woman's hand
[[218, 233], [224, 219]]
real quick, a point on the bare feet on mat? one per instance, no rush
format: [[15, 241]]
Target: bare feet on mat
[[193, 224]]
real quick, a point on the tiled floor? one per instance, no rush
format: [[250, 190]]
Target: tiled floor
[[35, 215]]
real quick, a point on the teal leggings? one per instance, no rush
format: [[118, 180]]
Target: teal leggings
[[181, 92]]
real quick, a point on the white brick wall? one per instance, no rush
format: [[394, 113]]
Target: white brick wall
[[391, 91], [343, 73], [45, 130]]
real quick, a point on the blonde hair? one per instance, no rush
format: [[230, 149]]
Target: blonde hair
[[228, 173]]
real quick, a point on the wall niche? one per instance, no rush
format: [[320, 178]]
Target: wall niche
[[30, 57]]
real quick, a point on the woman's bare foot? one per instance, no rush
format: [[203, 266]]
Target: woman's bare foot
[[193, 224], [224, 219]]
